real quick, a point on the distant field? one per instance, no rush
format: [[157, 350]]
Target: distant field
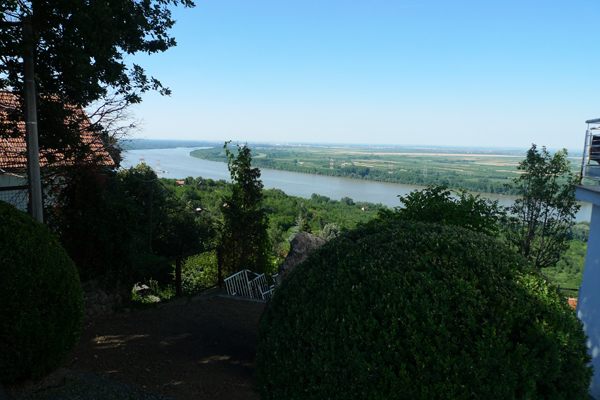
[[476, 170]]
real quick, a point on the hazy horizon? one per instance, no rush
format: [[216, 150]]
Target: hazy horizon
[[572, 152]]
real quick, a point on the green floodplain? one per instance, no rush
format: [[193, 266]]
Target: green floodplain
[[478, 170]]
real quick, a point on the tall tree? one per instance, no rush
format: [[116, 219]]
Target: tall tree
[[243, 235], [79, 59], [544, 214]]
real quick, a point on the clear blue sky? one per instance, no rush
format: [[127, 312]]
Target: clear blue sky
[[453, 72]]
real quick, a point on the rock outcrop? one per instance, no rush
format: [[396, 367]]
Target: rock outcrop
[[300, 248]]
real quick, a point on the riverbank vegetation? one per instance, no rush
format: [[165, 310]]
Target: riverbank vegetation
[[486, 171]]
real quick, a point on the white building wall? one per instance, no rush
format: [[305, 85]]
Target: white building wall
[[18, 198], [588, 302]]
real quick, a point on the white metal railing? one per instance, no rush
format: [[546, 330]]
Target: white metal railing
[[260, 287], [248, 284], [590, 163]]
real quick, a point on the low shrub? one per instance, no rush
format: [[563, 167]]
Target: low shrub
[[440, 205], [410, 310], [41, 302], [199, 272]]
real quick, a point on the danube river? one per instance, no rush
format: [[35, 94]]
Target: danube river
[[178, 164]]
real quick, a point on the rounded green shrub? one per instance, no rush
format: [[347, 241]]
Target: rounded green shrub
[[409, 310], [41, 302]]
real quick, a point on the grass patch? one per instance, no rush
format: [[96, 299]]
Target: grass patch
[[568, 273]]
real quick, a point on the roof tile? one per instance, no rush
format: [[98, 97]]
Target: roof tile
[[13, 151]]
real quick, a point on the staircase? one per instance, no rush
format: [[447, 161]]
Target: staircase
[[249, 284]]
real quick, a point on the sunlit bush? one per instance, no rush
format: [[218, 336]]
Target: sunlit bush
[[199, 272], [409, 310]]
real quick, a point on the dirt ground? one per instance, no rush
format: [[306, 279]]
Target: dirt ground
[[200, 350]]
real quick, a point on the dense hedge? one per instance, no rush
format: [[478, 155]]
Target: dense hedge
[[407, 310], [41, 302]]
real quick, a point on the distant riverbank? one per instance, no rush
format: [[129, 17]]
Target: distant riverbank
[[482, 171], [178, 164]]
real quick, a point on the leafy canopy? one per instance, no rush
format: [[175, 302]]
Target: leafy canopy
[[544, 213], [112, 223], [80, 48], [444, 206], [411, 310]]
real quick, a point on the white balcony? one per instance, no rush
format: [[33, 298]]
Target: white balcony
[[590, 165]]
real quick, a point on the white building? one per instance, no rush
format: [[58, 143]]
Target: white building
[[588, 304]]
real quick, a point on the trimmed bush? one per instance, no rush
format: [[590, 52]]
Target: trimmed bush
[[41, 302], [409, 310]]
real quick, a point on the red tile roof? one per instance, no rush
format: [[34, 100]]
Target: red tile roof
[[13, 151], [572, 302]]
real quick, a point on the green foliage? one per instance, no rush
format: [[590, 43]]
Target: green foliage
[[319, 199], [243, 235], [544, 214], [176, 229], [580, 231], [568, 272], [282, 210], [155, 294], [41, 302], [96, 222], [199, 272], [103, 223], [80, 48], [304, 226], [330, 231], [347, 201], [444, 206], [408, 310]]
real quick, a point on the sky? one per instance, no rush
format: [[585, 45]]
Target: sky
[[434, 73]]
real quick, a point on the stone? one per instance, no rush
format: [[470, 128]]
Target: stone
[[139, 286], [303, 245], [300, 248], [92, 297], [89, 285], [102, 298]]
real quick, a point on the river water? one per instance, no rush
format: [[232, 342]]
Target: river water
[[178, 164]]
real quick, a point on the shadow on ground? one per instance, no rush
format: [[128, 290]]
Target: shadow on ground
[[203, 349]]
